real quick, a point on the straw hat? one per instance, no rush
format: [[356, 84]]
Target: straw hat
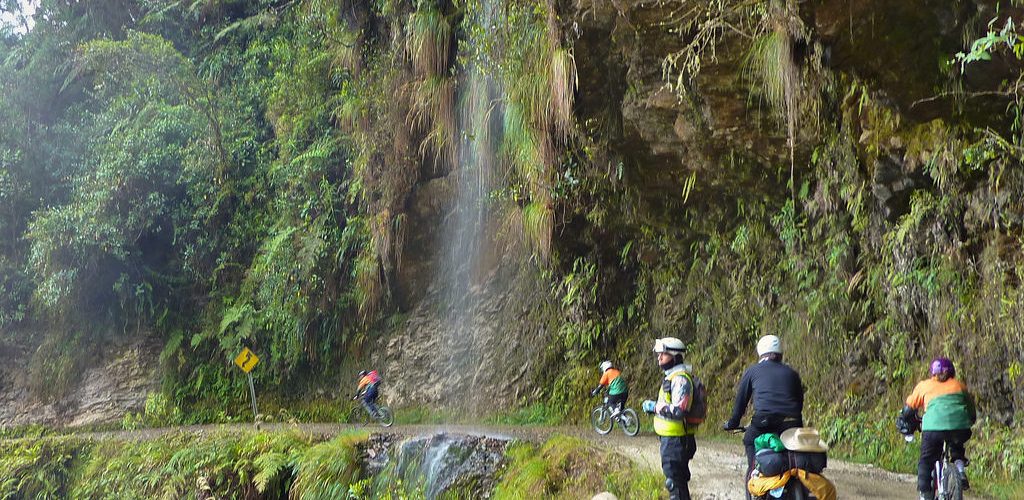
[[803, 439]]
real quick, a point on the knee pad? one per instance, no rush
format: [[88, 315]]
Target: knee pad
[[670, 485]]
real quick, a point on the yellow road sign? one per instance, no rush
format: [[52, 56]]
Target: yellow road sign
[[246, 360]]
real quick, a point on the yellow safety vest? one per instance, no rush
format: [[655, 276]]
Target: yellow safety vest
[[667, 427]]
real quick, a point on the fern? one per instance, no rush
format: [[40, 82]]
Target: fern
[[240, 314], [269, 467], [326, 470]]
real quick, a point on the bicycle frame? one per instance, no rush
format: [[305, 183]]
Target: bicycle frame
[[940, 489], [942, 465], [610, 408]]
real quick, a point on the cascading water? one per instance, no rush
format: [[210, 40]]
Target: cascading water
[[429, 466], [466, 232]]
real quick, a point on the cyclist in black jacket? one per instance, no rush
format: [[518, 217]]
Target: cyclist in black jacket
[[778, 396]]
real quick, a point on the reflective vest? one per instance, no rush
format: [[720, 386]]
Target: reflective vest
[[664, 426]]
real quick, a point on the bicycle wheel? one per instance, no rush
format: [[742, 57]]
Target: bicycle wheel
[[386, 418], [795, 490], [601, 420], [951, 485], [629, 422]]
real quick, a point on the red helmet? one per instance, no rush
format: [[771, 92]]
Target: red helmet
[[943, 365]]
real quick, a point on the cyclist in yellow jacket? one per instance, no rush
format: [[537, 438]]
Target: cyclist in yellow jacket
[[674, 399]]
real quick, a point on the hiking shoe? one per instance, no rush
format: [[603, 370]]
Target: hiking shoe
[[927, 495], [964, 483]]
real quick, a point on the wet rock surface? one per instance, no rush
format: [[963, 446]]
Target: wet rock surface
[[484, 366], [445, 461], [436, 462]]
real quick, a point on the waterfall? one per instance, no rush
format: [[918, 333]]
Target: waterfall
[[429, 466], [467, 233]]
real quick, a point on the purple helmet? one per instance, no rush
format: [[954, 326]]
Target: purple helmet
[[943, 365]]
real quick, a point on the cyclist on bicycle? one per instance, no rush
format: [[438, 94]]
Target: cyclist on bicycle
[[368, 382], [618, 391], [778, 396], [949, 413]]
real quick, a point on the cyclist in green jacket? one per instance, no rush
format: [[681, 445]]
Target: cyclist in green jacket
[[949, 413], [618, 391]]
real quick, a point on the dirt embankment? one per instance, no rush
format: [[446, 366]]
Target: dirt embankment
[[106, 389]]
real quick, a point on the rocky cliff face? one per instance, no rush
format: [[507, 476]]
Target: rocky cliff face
[[877, 109], [110, 386]]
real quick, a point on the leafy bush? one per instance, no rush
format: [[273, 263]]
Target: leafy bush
[[565, 467]]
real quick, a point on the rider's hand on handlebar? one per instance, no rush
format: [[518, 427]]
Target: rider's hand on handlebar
[[729, 427], [594, 392]]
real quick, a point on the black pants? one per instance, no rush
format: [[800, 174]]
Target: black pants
[[763, 424], [676, 453], [931, 450], [618, 400]]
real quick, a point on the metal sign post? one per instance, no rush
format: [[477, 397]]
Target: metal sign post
[[252, 392], [247, 360]]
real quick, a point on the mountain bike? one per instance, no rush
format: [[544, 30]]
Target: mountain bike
[[383, 416], [604, 417], [946, 477], [947, 480]]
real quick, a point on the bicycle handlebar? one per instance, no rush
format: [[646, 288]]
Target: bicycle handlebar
[[734, 430]]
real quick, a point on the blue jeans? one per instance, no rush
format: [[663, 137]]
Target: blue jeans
[[370, 400]]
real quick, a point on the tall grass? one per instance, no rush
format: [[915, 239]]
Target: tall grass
[[567, 467], [539, 79], [432, 109], [369, 287], [325, 471], [429, 42]]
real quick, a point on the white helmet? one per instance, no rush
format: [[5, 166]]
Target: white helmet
[[605, 365], [670, 345], [768, 344]]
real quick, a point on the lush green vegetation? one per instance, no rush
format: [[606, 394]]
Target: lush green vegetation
[[565, 467], [288, 464], [225, 465], [235, 173], [224, 173]]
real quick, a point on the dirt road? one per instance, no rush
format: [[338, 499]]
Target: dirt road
[[717, 468]]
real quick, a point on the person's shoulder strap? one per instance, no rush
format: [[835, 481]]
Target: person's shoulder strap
[[681, 373], [677, 373]]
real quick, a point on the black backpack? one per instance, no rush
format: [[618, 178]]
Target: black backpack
[[699, 406]]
